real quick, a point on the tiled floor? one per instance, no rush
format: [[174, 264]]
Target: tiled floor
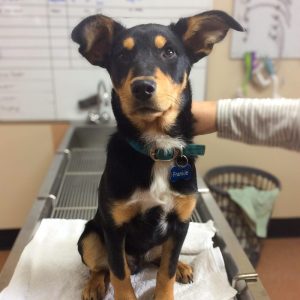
[[279, 268]]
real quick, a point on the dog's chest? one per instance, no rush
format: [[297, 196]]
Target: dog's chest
[[159, 192]]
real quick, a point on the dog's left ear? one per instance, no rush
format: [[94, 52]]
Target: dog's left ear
[[199, 33], [95, 35]]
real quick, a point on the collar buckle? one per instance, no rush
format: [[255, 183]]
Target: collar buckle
[[161, 155]]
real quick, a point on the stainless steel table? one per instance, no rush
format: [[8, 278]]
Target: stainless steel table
[[78, 164]]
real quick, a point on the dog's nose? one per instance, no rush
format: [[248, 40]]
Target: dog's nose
[[143, 89]]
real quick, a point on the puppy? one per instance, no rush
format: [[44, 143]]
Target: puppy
[[147, 191]]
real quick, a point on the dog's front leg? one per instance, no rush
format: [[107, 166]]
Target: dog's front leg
[[169, 259], [119, 270]]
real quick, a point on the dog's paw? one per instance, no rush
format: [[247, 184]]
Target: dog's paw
[[184, 273], [93, 292], [95, 288]]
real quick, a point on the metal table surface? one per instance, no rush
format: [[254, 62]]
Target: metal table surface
[[75, 173]]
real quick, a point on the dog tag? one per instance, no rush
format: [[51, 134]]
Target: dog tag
[[181, 173]]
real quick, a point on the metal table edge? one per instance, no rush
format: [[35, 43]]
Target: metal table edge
[[44, 205], [39, 210], [253, 290]]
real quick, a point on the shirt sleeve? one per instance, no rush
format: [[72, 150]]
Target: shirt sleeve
[[270, 122]]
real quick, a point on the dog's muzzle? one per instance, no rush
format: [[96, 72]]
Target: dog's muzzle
[[143, 89]]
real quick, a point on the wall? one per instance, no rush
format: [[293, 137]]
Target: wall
[[26, 150], [26, 153], [224, 76]]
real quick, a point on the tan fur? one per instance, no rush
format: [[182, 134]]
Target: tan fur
[[184, 206], [96, 286], [194, 24], [123, 289], [128, 43], [94, 253], [124, 92], [167, 100], [95, 257], [164, 284], [153, 254], [202, 33], [159, 41], [184, 273], [94, 30], [94, 49], [122, 212]]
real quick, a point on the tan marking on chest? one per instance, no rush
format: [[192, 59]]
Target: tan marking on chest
[[123, 211], [158, 194], [184, 206]]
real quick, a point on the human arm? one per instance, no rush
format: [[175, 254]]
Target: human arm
[[270, 122], [205, 115]]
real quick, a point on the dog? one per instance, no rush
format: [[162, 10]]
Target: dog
[[147, 192]]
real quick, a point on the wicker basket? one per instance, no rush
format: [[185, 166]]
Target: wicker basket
[[219, 180]]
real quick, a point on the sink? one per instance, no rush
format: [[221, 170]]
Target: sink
[[81, 153], [75, 193], [90, 137]]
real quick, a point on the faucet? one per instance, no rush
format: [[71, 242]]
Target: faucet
[[102, 111]]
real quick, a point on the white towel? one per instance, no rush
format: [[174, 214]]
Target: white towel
[[50, 267]]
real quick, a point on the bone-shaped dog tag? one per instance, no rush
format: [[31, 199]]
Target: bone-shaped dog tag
[[182, 170], [181, 173]]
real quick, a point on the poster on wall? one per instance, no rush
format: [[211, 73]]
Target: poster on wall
[[272, 28]]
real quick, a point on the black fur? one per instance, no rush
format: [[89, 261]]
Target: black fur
[[126, 169]]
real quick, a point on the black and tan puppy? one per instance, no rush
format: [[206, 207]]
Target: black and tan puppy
[[147, 190]]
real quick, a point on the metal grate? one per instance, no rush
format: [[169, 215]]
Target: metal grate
[[89, 213], [77, 197], [79, 191], [87, 160], [78, 194], [74, 213], [196, 217]]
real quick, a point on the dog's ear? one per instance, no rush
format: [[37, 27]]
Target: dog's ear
[[94, 36], [199, 33]]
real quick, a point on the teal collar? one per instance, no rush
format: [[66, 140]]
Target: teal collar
[[167, 154]]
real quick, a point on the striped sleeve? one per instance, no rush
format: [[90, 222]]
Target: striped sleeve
[[270, 122]]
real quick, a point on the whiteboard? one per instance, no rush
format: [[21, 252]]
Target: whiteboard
[[42, 75], [273, 28]]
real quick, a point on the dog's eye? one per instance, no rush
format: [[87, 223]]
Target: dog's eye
[[168, 52]]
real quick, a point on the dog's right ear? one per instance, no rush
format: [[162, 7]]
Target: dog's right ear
[[94, 36]]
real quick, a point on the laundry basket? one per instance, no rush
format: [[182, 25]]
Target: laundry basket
[[219, 180]]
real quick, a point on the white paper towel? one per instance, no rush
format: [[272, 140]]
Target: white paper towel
[[51, 268]]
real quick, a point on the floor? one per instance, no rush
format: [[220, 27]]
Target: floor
[[279, 268], [3, 257]]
